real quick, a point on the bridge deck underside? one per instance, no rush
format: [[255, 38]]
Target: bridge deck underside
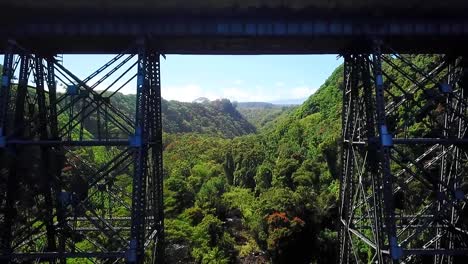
[[229, 7], [233, 35]]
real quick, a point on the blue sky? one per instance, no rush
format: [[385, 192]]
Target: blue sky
[[267, 78]]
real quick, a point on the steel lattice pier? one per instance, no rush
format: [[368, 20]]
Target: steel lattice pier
[[404, 176], [55, 203]]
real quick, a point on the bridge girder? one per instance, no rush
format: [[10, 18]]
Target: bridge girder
[[259, 34]]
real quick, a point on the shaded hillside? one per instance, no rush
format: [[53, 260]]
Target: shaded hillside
[[217, 118]]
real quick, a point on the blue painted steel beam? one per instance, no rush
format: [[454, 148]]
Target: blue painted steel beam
[[236, 27]]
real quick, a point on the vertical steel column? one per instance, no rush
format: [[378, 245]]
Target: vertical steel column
[[375, 208], [7, 74], [360, 188], [5, 86], [45, 169], [136, 252], [347, 158], [57, 162], [156, 177], [147, 210], [444, 171], [384, 145], [452, 164], [148, 214], [13, 176]]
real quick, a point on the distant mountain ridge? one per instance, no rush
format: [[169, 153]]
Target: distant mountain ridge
[[261, 114], [201, 100], [256, 105], [218, 117]]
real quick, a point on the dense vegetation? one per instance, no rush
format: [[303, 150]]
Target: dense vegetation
[[261, 114], [216, 118], [269, 196]]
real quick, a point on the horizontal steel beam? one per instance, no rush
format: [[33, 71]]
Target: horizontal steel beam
[[196, 34], [241, 26], [84, 143], [418, 141], [118, 218], [427, 251], [55, 255], [305, 8], [116, 228], [442, 141]]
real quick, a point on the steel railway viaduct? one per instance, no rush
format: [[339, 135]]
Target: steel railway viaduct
[[383, 164]]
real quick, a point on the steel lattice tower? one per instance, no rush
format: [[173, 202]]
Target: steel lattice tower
[[55, 204], [404, 158]]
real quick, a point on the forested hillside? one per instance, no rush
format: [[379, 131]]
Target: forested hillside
[[216, 118], [270, 197], [261, 114], [265, 197]]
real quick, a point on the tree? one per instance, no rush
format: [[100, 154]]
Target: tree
[[229, 167], [211, 244], [263, 178], [208, 197]]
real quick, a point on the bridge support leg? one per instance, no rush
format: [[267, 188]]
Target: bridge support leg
[[360, 193], [404, 185], [148, 177], [56, 155], [452, 164], [384, 144], [80, 179], [16, 167], [47, 176], [5, 197]]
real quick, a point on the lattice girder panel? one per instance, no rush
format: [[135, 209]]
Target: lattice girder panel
[[75, 195], [403, 185]]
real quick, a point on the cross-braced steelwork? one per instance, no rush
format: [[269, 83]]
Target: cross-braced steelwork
[[404, 182], [58, 199]]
